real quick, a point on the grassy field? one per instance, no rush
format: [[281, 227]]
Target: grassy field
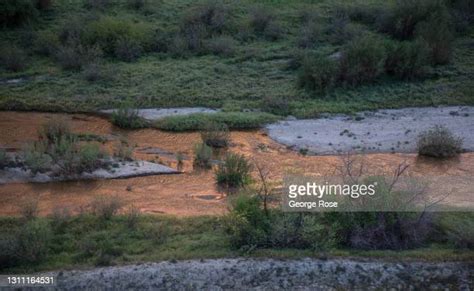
[[87, 241], [256, 75]]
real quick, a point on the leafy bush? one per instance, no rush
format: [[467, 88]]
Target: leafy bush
[[13, 58], [340, 30], [263, 23], [318, 73], [124, 151], [221, 45], [216, 135], [247, 224], [33, 241], [407, 60], [462, 14], [127, 117], [128, 49], [310, 34], [459, 229], [92, 72], [363, 61], [35, 158], [107, 32], [73, 55], [276, 105], [90, 157], [105, 207], [4, 161], [234, 120], [403, 17], [72, 29], [136, 4], [439, 142], [46, 43], [55, 129], [211, 15], [436, 31], [202, 156], [15, 12], [234, 172], [29, 209]]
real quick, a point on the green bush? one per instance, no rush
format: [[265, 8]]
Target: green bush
[[234, 120], [439, 142], [106, 207], [55, 129], [73, 55], [33, 241], [202, 156], [35, 158], [459, 229], [212, 16], [127, 117], [247, 225], [318, 73], [216, 135], [436, 31], [46, 43], [128, 49], [276, 105], [92, 72], [124, 151], [90, 157], [13, 58], [407, 60], [362, 61], [403, 17], [107, 32], [263, 23], [234, 172], [310, 34], [29, 208], [221, 45], [15, 12], [4, 161]]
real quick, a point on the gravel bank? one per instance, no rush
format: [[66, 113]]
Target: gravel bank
[[126, 169], [394, 130], [270, 274]]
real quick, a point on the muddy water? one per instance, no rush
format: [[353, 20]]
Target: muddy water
[[194, 191]]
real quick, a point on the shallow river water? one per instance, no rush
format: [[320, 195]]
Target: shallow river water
[[193, 192]]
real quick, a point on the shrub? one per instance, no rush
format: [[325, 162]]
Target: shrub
[[212, 16], [8, 256], [234, 172], [35, 158], [318, 73], [29, 209], [260, 19], [55, 129], [407, 60], [13, 58], [247, 224], [105, 207], [202, 156], [96, 4], [33, 241], [402, 19], [46, 43], [339, 29], [439, 142], [436, 31], [234, 120], [221, 45], [459, 229], [106, 32], [15, 12], [72, 29], [363, 61], [4, 161], [127, 117], [124, 151], [310, 34], [215, 135], [128, 49], [90, 157], [73, 55], [43, 4], [462, 14], [92, 72], [276, 105], [178, 46], [133, 217], [136, 4]]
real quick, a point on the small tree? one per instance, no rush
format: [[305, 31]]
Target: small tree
[[439, 142]]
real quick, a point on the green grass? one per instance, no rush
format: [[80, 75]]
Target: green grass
[[158, 238], [234, 120], [258, 69]]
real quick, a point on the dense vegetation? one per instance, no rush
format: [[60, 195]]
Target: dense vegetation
[[283, 57]]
